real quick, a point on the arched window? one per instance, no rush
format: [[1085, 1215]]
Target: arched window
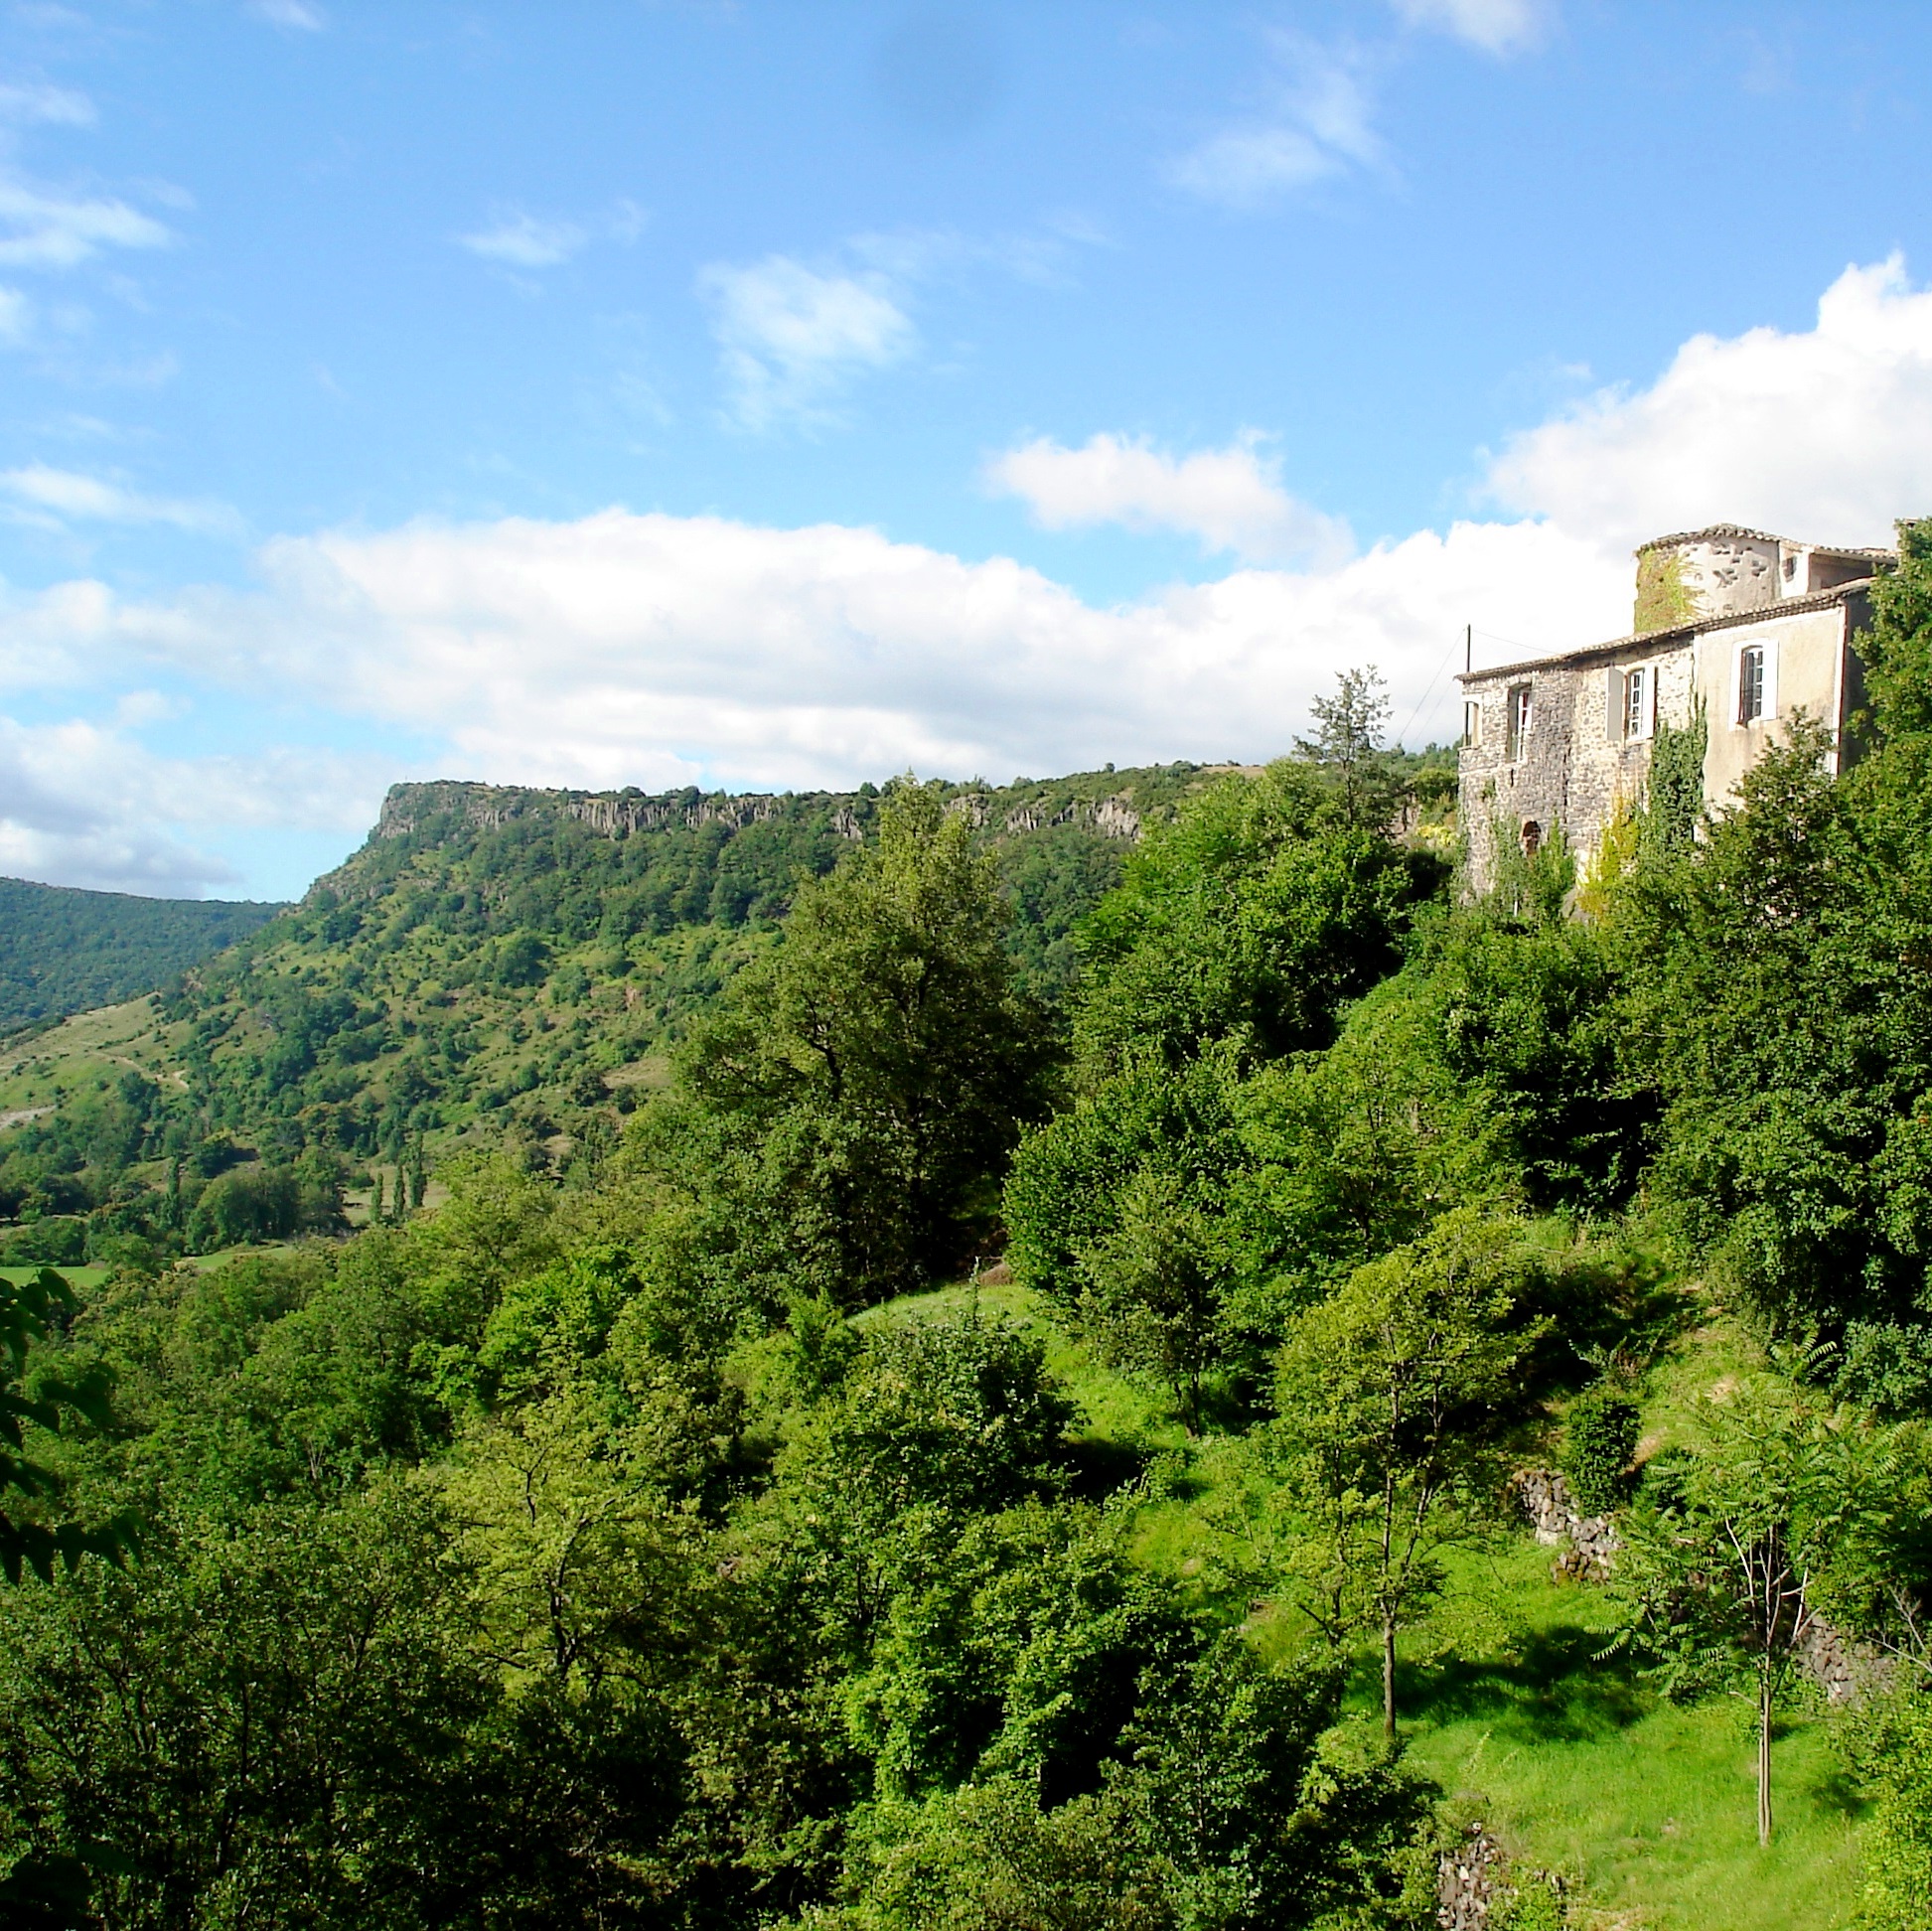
[[1532, 838]]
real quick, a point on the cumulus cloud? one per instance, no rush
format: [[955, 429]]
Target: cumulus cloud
[[43, 228], [87, 804], [1228, 499], [1823, 433], [792, 339], [1500, 26], [1318, 124], [662, 651], [58, 638], [66, 495]]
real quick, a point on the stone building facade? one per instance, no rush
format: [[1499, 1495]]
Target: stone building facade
[[1750, 627]]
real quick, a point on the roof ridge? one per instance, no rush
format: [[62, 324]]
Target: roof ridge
[[1727, 620]]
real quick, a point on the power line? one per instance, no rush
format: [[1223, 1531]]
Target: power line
[[1428, 693]]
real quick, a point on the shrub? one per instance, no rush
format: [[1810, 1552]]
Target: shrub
[[1599, 1443], [54, 1241]]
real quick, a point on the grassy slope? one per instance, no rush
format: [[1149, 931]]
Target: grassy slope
[[88, 1052], [1576, 1763]]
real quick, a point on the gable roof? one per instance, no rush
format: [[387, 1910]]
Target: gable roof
[[1649, 640]]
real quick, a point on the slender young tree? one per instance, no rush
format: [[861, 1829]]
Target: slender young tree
[[1394, 1395], [1728, 1550], [1347, 743]]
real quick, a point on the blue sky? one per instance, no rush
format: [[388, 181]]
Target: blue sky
[[770, 394]]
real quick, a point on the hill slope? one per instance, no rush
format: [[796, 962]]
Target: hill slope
[[514, 961], [63, 951]]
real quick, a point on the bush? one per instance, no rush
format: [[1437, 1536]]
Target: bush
[[1891, 1749], [1599, 1443], [249, 1205], [55, 1242]]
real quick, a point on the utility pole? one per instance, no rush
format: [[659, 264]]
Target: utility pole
[[1468, 649]]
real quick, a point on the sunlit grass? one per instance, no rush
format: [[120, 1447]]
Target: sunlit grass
[[1505, 1698], [1580, 1766], [74, 1277]]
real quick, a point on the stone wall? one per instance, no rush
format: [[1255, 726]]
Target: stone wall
[[1574, 767], [1587, 1544]]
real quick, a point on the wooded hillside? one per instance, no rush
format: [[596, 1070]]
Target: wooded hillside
[[64, 951]]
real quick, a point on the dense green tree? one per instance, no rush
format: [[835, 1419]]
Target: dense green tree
[[38, 1396], [1155, 1298], [1233, 1806], [885, 1049], [1252, 918], [255, 1726], [1788, 1037], [1069, 1177]]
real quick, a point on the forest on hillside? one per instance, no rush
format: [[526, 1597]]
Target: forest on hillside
[[970, 1449], [494, 968], [63, 951]]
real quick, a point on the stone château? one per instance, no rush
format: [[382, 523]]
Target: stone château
[[1748, 628]]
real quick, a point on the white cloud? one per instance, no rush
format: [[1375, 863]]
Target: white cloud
[[524, 241], [58, 638], [1317, 126], [1229, 499], [37, 102], [1823, 433], [792, 339], [86, 803], [66, 495], [295, 14], [660, 650], [1500, 26], [41, 227], [73, 811], [516, 238]]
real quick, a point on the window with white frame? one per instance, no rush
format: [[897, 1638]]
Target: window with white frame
[[1750, 683], [1472, 722], [1518, 716], [1639, 696]]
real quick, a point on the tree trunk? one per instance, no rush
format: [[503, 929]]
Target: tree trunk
[[1764, 1760], [1388, 1676]]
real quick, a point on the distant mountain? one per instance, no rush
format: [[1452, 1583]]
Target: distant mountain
[[63, 951], [494, 954], [511, 963]]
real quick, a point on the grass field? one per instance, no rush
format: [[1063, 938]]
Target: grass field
[[74, 1277], [1647, 1807]]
